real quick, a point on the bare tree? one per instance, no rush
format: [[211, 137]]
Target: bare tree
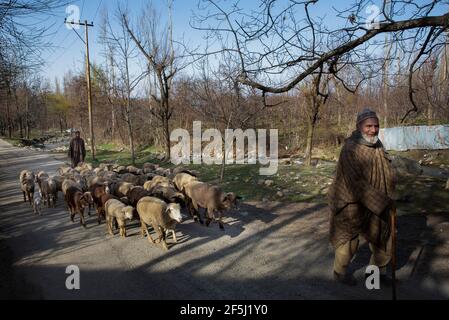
[[282, 43], [156, 44], [122, 44]]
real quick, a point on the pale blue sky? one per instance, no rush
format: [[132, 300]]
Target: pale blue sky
[[68, 51]]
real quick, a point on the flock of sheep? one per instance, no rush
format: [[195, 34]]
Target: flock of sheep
[[153, 195]]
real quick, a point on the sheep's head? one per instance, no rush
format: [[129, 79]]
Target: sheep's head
[[230, 201], [128, 212], [177, 197], [87, 196], [174, 212]]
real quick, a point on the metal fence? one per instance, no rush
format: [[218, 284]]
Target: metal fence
[[415, 137]]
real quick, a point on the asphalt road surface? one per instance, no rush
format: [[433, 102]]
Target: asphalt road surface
[[268, 251]]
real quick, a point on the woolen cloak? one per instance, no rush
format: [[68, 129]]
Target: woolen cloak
[[77, 150], [361, 193]]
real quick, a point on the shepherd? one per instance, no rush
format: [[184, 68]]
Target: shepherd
[[77, 150], [360, 200]]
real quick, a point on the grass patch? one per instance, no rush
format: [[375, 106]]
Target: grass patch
[[13, 141], [437, 157]]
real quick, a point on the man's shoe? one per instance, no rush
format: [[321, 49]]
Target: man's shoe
[[345, 279]]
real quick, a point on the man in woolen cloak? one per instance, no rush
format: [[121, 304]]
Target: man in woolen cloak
[[360, 199], [77, 150]]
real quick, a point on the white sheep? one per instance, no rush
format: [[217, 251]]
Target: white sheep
[[161, 216], [115, 209]]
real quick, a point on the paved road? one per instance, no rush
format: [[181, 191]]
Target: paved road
[[268, 251]]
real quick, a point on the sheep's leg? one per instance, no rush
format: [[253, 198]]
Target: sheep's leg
[[148, 234], [72, 213], [98, 215], [220, 222], [24, 196], [196, 212], [109, 225], [209, 215], [142, 228], [83, 223], [122, 227], [88, 210], [189, 206], [30, 198], [174, 236], [162, 238], [159, 232]]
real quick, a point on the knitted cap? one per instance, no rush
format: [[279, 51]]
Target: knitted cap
[[366, 114]]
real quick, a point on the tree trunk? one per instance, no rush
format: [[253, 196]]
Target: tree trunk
[[60, 124], [167, 138], [309, 147], [429, 114], [112, 123], [27, 120], [8, 113], [130, 132]]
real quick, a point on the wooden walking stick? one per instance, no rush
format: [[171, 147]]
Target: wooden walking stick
[[393, 250]]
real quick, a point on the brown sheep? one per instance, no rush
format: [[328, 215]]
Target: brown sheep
[[135, 194], [120, 189], [149, 167], [97, 190], [58, 180], [157, 180], [67, 183], [131, 178], [64, 170], [49, 191], [133, 169], [77, 201], [182, 179], [26, 179], [167, 193], [41, 175], [211, 198]]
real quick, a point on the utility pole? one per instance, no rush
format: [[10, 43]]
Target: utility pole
[[386, 68], [89, 89]]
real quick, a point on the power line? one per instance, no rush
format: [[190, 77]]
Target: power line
[[82, 8], [89, 94], [97, 10], [65, 50], [78, 35]]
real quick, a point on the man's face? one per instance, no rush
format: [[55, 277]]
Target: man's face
[[77, 134], [369, 127]]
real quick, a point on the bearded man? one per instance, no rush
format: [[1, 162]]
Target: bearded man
[[360, 199]]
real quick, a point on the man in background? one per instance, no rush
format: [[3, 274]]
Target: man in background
[[77, 149]]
